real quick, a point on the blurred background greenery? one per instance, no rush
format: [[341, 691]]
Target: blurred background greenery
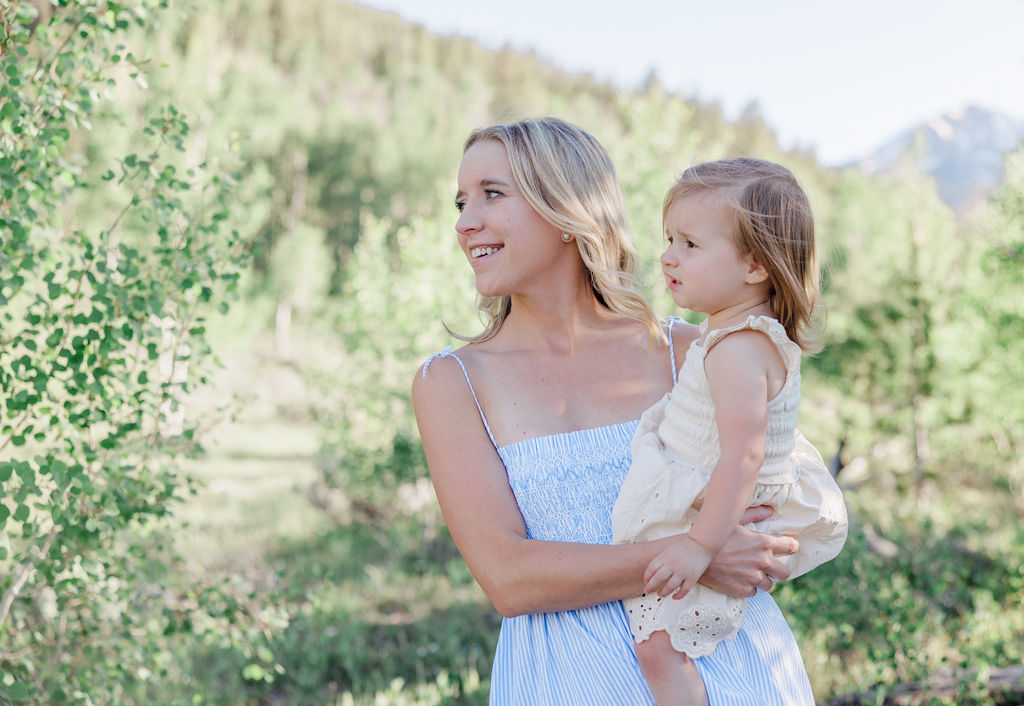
[[311, 513]]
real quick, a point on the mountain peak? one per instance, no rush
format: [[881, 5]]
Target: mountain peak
[[963, 149]]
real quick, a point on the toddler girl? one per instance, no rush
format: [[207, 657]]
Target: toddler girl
[[741, 250]]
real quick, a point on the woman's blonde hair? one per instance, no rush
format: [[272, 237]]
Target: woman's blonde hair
[[569, 180], [773, 223]]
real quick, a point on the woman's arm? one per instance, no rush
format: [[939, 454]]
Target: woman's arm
[[521, 575]]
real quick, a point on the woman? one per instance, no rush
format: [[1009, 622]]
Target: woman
[[527, 430]]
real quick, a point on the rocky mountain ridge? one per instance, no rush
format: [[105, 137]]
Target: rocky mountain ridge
[[963, 149]]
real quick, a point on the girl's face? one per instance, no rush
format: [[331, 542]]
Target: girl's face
[[703, 268], [510, 247]]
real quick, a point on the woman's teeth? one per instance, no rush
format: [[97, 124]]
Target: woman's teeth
[[480, 252]]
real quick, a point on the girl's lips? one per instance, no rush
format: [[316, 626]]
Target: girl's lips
[[672, 282]]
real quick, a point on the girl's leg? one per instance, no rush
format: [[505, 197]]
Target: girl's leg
[[672, 676]]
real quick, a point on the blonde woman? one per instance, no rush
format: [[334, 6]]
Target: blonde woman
[[527, 431]]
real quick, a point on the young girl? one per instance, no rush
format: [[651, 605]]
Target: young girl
[[741, 250]]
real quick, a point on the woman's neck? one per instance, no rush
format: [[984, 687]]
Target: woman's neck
[[556, 324]]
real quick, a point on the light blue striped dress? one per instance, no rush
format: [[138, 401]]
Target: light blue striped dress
[[566, 485]]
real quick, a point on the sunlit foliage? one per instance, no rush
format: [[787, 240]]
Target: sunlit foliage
[[127, 222]]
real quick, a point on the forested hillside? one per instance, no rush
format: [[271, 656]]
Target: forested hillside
[[275, 180]]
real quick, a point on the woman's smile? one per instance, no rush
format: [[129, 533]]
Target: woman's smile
[[481, 251]]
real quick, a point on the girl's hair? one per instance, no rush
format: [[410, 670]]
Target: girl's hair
[[569, 180], [772, 222]]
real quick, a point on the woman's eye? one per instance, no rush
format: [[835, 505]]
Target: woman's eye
[[459, 205], [491, 193]]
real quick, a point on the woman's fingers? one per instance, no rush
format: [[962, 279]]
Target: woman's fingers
[[784, 546], [776, 570], [757, 513]]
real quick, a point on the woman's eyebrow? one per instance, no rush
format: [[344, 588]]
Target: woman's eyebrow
[[493, 182], [485, 183]]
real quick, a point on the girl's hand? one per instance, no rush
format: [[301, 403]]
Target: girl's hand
[[677, 568]]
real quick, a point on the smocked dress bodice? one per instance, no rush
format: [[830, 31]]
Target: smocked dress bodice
[[566, 484]]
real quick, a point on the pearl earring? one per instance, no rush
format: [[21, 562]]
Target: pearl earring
[[566, 237]]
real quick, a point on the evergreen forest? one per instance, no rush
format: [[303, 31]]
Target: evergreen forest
[[226, 245]]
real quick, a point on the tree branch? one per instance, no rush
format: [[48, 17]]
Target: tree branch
[[19, 582]]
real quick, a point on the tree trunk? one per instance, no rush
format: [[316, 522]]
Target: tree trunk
[[1005, 686]]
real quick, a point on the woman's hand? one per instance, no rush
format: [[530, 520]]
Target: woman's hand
[[749, 560]]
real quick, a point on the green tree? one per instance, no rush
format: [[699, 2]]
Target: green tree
[[991, 340], [889, 285], [402, 282], [102, 336]]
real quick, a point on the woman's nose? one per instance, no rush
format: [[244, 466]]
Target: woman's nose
[[467, 221]]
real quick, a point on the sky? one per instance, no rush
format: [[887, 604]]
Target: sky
[[840, 78]]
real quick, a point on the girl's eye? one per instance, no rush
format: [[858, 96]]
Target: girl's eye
[[690, 244], [459, 205]]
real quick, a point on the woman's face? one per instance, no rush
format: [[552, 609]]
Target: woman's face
[[510, 247]]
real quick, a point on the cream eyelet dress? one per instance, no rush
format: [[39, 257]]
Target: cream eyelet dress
[[565, 486], [674, 450]]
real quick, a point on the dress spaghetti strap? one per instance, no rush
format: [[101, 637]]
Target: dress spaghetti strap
[[672, 320], [447, 353]]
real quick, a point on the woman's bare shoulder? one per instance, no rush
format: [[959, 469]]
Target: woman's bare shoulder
[[449, 377], [445, 405], [683, 333], [444, 369]]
